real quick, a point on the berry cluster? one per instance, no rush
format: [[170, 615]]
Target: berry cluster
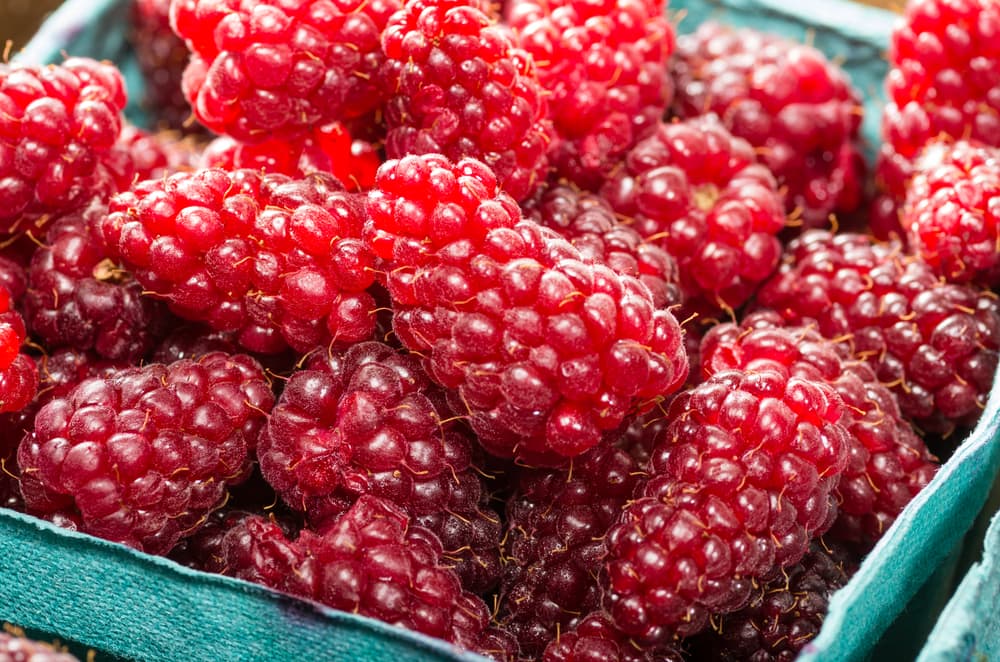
[[505, 324]]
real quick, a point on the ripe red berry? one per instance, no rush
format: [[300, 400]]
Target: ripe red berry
[[57, 374], [58, 124], [372, 562], [368, 421], [461, 88], [742, 480], [142, 456], [934, 344], [698, 191], [797, 109], [79, 298], [604, 66], [942, 82], [545, 352], [951, 215], [888, 463], [277, 261], [274, 70]]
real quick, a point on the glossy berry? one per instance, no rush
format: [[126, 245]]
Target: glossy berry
[[951, 215], [797, 109], [18, 649], [589, 223], [604, 66], [57, 373], [371, 562], [887, 462], [597, 638], [698, 191], [556, 525], [275, 260], [942, 82], [934, 344], [58, 124], [18, 376], [544, 352], [461, 88], [274, 70], [369, 421], [784, 614], [79, 298], [142, 456], [742, 480]]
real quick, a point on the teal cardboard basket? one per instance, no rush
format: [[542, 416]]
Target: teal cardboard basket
[[130, 605], [969, 627]]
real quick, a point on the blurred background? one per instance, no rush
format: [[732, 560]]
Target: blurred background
[[20, 18]]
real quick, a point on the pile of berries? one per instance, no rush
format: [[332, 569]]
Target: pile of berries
[[513, 327]]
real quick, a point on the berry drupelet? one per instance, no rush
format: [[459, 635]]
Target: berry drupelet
[[58, 127], [604, 67], [277, 261], [274, 70], [934, 344], [698, 191], [794, 106], [57, 374], [545, 352], [461, 88], [142, 456], [742, 480], [369, 421]]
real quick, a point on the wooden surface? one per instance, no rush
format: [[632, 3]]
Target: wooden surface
[[894, 5], [20, 18]]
